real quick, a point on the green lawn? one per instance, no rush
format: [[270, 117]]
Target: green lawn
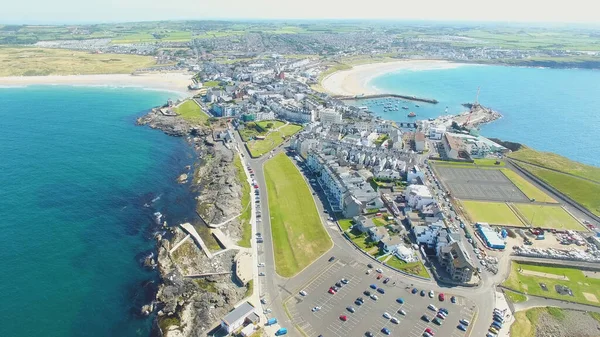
[[526, 187], [272, 140], [556, 162], [298, 234], [515, 297], [496, 213], [577, 282], [245, 201], [191, 112], [547, 216], [583, 191], [525, 322], [345, 224], [379, 222], [275, 124], [289, 130], [211, 84], [415, 268], [151, 37], [478, 163]]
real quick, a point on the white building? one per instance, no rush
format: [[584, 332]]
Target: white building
[[388, 174], [427, 235], [236, 318], [414, 174], [405, 254], [418, 196], [436, 132], [419, 141], [330, 116]]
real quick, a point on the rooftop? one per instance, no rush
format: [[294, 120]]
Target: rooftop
[[238, 313]]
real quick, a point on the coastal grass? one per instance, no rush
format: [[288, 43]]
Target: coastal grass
[[526, 187], [299, 237], [477, 163], [264, 125], [249, 288], [548, 216], [556, 162], [29, 61], [525, 322], [165, 322], [414, 268], [272, 139], [585, 192], [574, 279], [244, 218], [345, 224], [515, 297], [496, 213], [191, 112]]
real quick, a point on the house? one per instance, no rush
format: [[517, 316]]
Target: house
[[390, 244], [456, 261], [415, 174], [330, 116], [238, 316], [436, 132], [419, 141], [418, 196], [388, 174], [405, 254], [454, 147], [427, 235], [363, 224], [377, 233]]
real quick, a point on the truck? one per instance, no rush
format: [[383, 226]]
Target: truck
[[281, 332], [272, 321]]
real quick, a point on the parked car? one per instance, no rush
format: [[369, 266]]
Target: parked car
[[335, 288], [303, 293], [402, 312], [400, 300], [464, 322], [379, 270], [431, 294], [367, 293], [374, 297], [429, 331], [386, 315], [331, 291], [437, 321], [425, 318], [415, 290], [379, 276], [370, 265], [344, 317], [261, 274], [422, 292], [387, 279], [344, 281], [394, 320], [386, 331], [432, 307], [373, 286], [316, 309], [462, 327], [380, 290], [369, 271], [453, 299], [441, 297], [331, 259], [369, 334], [351, 309], [338, 284]]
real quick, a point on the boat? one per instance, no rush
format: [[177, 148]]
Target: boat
[[417, 105], [412, 114], [405, 107]]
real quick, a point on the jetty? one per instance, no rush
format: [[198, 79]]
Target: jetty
[[408, 98]]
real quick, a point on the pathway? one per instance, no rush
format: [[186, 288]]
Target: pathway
[[179, 244], [192, 231]]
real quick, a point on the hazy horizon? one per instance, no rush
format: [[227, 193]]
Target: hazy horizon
[[113, 11]]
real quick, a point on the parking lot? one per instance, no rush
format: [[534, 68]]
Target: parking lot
[[479, 184], [369, 316]]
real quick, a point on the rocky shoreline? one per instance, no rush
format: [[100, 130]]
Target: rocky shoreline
[[477, 116], [192, 306]]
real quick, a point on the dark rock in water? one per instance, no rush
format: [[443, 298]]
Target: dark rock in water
[[509, 145], [147, 309]]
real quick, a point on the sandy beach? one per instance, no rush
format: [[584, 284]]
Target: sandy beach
[[355, 81], [174, 82]]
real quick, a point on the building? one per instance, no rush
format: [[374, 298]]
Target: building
[[419, 141], [363, 224], [491, 238], [391, 244], [330, 116], [377, 233], [415, 174], [456, 261], [436, 133], [427, 235], [418, 196], [454, 147], [238, 316], [405, 254], [388, 174], [248, 330]]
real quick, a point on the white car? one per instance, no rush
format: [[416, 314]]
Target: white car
[[379, 270], [262, 264], [395, 320], [431, 294], [261, 274], [303, 293], [386, 315], [483, 263], [369, 271], [316, 309]]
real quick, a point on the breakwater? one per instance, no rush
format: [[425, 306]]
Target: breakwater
[[409, 98]]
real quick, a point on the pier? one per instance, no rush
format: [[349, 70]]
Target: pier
[[408, 98]]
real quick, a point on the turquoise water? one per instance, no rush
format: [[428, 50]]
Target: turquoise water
[[556, 110], [75, 174]]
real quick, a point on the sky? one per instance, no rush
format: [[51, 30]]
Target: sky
[[92, 11]]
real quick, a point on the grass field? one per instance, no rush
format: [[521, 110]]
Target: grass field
[[299, 237], [526, 187], [42, 62], [547, 216], [345, 224], [478, 163], [556, 162], [577, 282], [272, 140], [415, 268], [585, 192], [190, 111], [275, 124], [151, 37], [515, 297], [496, 213], [245, 201]]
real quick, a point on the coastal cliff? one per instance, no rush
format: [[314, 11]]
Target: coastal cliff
[[187, 302]]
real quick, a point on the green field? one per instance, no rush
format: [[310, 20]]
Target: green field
[[264, 125], [415, 268], [526, 187], [345, 224], [42, 62], [245, 201], [299, 237], [515, 297], [547, 216], [557, 162], [585, 192], [152, 37], [191, 112], [496, 213], [273, 139], [575, 280]]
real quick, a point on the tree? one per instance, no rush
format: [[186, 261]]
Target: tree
[[251, 125], [269, 125]]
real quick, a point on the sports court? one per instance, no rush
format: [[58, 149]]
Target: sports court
[[480, 184]]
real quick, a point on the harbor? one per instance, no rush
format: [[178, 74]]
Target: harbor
[[384, 96]]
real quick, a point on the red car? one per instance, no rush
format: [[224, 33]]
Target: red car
[[441, 297], [429, 331], [331, 291], [379, 276], [344, 317]]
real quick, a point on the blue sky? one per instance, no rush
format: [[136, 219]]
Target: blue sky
[[73, 11]]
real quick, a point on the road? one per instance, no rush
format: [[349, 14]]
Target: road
[[276, 289]]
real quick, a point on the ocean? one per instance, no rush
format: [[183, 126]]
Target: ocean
[[554, 110], [80, 183]]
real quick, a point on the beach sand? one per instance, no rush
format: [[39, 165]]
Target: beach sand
[[355, 81], [174, 82]]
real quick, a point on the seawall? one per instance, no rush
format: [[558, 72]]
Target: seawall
[[410, 98]]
